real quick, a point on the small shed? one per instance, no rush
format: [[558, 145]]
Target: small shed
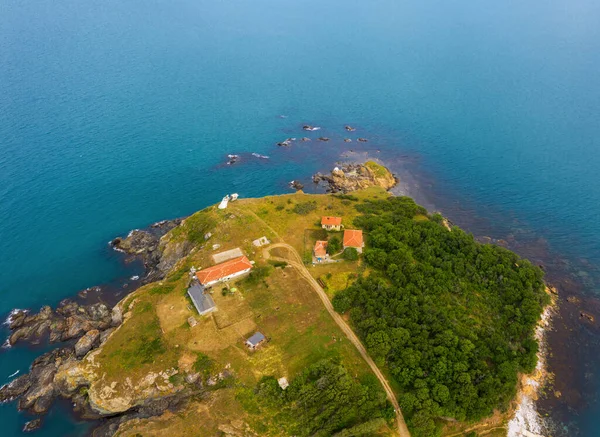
[[256, 339], [283, 383]]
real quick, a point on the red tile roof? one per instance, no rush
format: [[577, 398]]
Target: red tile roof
[[320, 248], [331, 221], [353, 238], [222, 270]]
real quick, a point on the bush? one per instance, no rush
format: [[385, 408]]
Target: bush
[[350, 254], [334, 245], [305, 208], [280, 207], [276, 264], [257, 274]]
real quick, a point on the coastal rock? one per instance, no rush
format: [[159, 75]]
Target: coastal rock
[[296, 185], [32, 425], [573, 299], [305, 139], [147, 245], [69, 321], [323, 139], [349, 128], [352, 177], [363, 140], [15, 388], [41, 389], [86, 343]]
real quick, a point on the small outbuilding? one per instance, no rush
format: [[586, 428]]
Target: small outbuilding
[[354, 238], [331, 223], [256, 340], [283, 383]]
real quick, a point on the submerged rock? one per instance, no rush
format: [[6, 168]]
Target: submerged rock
[[32, 425]]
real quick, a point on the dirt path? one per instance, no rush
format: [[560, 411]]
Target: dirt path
[[299, 265]]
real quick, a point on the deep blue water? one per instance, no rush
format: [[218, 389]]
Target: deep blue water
[[117, 114]]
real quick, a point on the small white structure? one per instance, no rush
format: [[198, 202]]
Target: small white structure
[[234, 197], [283, 383], [262, 241], [224, 202]]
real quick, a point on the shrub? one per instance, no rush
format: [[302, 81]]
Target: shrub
[[305, 208], [276, 264], [257, 274], [334, 245], [350, 254]]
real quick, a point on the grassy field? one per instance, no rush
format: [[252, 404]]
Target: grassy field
[[156, 336]]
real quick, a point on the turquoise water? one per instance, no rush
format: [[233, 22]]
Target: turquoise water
[[115, 114]]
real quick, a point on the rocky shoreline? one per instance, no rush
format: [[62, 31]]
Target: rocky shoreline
[[78, 329]]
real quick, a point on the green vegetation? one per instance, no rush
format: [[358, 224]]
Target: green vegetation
[[378, 170], [195, 227], [276, 264], [257, 274], [305, 208], [453, 320], [350, 254], [145, 346], [324, 399], [334, 245], [203, 364]]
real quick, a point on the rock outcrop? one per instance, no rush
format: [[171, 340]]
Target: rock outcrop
[[352, 177], [69, 321], [148, 245], [36, 390]]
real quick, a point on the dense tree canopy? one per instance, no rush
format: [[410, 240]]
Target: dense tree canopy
[[453, 320], [325, 399]]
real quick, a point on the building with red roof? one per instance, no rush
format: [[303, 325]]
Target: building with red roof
[[225, 271], [320, 249], [331, 223], [354, 238]]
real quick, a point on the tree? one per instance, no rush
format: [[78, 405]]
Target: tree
[[334, 245], [350, 254]]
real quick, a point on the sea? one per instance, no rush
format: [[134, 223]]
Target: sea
[[117, 114]]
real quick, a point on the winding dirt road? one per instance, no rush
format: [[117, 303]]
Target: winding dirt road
[[299, 265]]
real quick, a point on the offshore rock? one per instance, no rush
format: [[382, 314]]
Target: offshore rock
[[32, 425], [352, 177]]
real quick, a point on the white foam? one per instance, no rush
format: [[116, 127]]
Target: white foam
[[9, 319], [134, 278], [14, 374], [527, 422]]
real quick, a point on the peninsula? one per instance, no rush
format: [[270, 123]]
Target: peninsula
[[349, 313]]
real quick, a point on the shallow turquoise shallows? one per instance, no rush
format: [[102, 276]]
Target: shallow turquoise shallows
[[116, 114]]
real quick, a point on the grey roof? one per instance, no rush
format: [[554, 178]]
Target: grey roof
[[256, 338], [202, 302]]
